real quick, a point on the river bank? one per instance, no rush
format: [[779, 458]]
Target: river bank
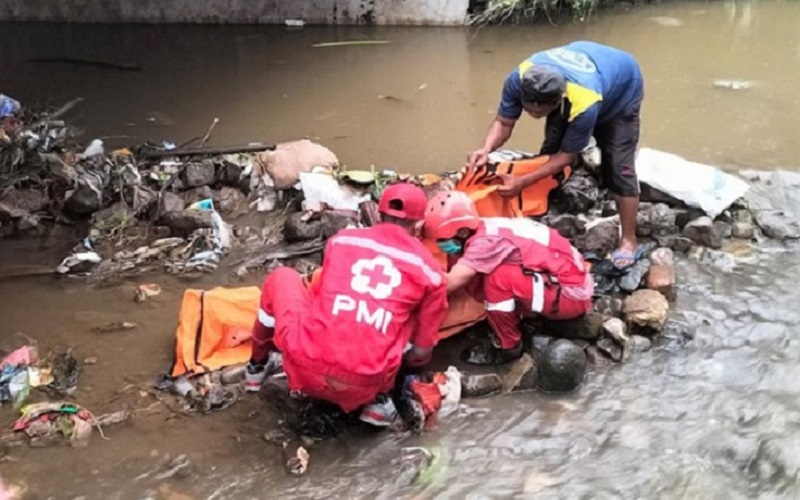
[[715, 418]]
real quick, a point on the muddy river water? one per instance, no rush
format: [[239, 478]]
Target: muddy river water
[[716, 418]]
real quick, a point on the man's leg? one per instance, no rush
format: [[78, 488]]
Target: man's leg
[[618, 140], [284, 299], [502, 289]]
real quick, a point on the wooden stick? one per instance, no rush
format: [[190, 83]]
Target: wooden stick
[[224, 150]]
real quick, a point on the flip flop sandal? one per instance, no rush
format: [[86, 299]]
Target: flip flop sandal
[[634, 257]]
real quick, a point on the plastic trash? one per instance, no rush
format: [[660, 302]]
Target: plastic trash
[[319, 188], [591, 154], [295, 23], [144, 292], [207, 204], [451, 391], [697, 185], [732, 84], [26, 355], [95, 148], [8, 106], [73, 260]]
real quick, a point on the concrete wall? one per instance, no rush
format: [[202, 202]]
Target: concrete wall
[[386, 12]]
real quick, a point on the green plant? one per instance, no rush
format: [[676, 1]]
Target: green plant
[[516, 11]]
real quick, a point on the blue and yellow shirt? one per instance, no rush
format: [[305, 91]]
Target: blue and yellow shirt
[[602, 83]]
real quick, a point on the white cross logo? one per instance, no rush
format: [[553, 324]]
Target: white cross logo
[[376, 277]]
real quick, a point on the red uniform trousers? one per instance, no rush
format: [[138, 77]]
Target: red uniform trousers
[[511, 294], [285, 300]]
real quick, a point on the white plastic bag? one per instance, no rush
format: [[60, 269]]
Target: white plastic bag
[[697, 185], [321, 188]]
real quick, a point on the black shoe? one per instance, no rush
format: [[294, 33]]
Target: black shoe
[[483, 354]]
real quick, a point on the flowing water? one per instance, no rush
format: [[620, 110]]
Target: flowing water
[[717, 418]]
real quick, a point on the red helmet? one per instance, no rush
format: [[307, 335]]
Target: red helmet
[[448, 212]]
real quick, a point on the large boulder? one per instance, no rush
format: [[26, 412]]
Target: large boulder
[[561, 367], [647, 309], [289, 159]]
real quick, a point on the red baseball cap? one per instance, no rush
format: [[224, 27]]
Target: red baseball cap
[[404, 201]]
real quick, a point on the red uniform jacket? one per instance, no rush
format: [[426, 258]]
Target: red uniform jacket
[[380, 289]]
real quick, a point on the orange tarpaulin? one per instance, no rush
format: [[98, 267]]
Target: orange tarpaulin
[[481, 186]]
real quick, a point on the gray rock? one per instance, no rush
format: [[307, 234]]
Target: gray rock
[[778, 460], [334, 221], [10, 212], [29, 200], [296, 229], [540, 342], [184, 223], [475, 386], [703, 232], [647, 309], [564, 224], [614, 330], [139, 197], [724, 228], [640, 343], [777, 224], [685, 216], [520, 375], [662, 276], [610, 349], [84, 201], [116, 215], [609, 208], [662, 217], [578, 195], [682, 244], [669, 240], [643, 226], [633, 278], [602, 236], [653, 195], [595, 357], [743, 230], [562, 367], [198, 174], [168, 203], [230, 174], [198, 194], [609, 307], [588, 327], [229, 199]]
